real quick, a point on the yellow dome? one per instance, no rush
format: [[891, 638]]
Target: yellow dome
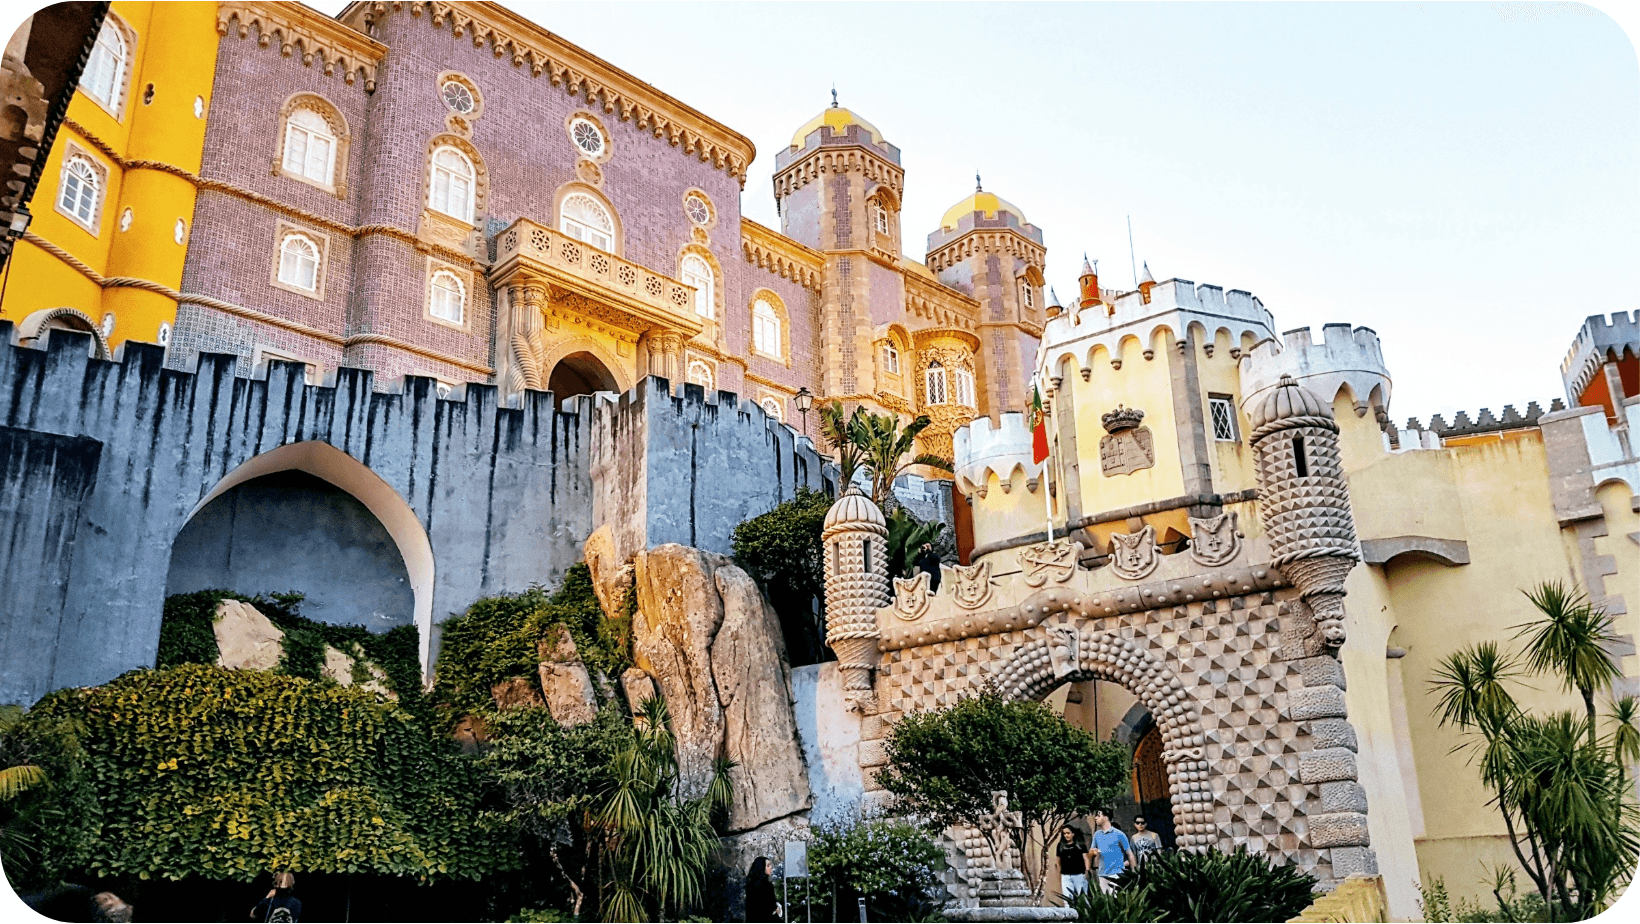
[[837, 119], [988, 203]]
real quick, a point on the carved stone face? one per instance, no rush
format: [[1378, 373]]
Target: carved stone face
[[1332, 632]]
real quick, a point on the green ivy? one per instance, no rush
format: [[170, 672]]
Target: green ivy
[[186, 636], [200, 771], [781, 549]]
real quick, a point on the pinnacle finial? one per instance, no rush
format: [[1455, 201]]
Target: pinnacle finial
[[1146, 277], [977, 187], [1053, 297], [834, 96], [1089, 269]]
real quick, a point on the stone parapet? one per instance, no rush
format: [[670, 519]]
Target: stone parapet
[[1177, 306], [983, 448], [1344, 359], [1595, 339]]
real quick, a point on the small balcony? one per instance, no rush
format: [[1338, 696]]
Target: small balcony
[[640, 298]]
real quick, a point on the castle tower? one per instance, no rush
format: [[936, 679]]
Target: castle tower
[[856, 543], [838, 187], [986, 248], [1305, 500]]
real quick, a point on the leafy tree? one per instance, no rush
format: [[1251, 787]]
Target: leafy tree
[[655, 844], [906, 535], [1572, 822], [1214, 886], [944, 765], [547, 776], [781, 549], [200, 771]]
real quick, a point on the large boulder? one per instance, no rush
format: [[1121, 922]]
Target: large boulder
[[564, 680], [760, 735], [611, 575], [245, 639], [679, 612]]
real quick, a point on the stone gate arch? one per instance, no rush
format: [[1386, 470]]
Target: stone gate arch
[[1065, 652]]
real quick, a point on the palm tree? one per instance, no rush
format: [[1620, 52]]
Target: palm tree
[[840, 433], [1626, 736], [876, 443], [657, 844], [1569, 641]]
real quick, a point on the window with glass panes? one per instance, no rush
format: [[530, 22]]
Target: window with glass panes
[[1222, 410]]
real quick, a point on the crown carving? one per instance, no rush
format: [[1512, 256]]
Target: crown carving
[[1123, 418]]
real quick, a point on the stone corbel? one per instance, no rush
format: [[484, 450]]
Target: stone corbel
[[529, 306]]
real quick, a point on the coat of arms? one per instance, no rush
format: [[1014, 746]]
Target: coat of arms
[[1128, 447], [1133, 555], [911, 596], [972, 585], [1214, 541], [1056, 560]]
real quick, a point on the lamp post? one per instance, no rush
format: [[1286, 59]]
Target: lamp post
[[804, 399]]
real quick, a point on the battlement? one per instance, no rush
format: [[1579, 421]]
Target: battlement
[[1175, 305], [1597, 338], [982, 448], [1417, 436], [1344, 358]]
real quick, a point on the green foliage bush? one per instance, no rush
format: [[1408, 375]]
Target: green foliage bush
[[1127, 906], [495, 639], [186, 637], [906, 535], [1214, 886], [196, 770], [781, 549], [893, 863]]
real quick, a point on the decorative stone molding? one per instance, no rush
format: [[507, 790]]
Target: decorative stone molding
[[1214, 541], [970, 584], [911, 596], [772, 251], [338, 127], [1133, 556], [296, 30], [855, 537], [1050, 561], [579, 73]]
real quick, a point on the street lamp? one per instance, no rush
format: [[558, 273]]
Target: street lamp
[[804, 399]]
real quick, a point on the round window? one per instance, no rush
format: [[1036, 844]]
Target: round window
[[458, 97], [699, 212], [587, 136]]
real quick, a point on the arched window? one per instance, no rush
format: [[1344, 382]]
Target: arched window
[[585, 219], [963, 380], [299, 262], [881, 214], [310, 147], [765, 328], [771, 406], [934, 382], [81, 190], [700, 374], [448, 300], [695, 271], [451, 191], [1030, 296], [891, 359], [106, 66]]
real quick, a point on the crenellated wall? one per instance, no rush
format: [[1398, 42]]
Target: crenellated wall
[[1344, 359]]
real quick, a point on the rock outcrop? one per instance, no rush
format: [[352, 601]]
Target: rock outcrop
[[245, 639], [519, 691], [704, 636], [754, 688], [565, 683]]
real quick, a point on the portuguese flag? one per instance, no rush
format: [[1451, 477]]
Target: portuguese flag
[[1039, 427]]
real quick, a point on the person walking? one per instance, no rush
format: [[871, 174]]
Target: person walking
[[280, 906], [760, 903], [1111, 850], [928, 561], [1073, 863], [1145, 841]]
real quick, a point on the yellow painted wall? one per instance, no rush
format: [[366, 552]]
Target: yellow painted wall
[[175, 51]]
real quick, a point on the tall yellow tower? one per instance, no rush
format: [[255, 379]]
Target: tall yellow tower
[[115, 204]]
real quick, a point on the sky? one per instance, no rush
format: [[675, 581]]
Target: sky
[[1464, 178]]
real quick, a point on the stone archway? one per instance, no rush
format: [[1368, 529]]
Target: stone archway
[[1066, 652], [580, 373]]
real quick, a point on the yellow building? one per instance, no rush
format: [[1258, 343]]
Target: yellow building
[[1454, 522], [114, 209]]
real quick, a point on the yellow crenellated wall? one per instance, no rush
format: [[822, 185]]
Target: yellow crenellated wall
[[151, 151]]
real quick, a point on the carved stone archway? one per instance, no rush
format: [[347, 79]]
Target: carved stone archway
[[1067, 651]]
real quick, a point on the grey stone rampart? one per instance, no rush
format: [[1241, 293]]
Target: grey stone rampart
[[503, 496], [1594, 340], [680, 468]]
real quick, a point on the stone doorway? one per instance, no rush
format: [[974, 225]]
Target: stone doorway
[[579, 374]]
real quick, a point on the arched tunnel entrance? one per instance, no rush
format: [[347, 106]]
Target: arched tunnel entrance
[[579, 374], [1112, 713]]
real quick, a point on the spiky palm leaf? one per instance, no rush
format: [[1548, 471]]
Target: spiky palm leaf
[[1625, 740], [1470, 684], [1570, 641], [14, 781]]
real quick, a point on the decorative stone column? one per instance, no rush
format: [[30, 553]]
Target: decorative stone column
[[856, 548], [528, 303], [1306, 501]]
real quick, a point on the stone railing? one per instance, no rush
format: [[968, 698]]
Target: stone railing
[[1357, 900], [535, 250]]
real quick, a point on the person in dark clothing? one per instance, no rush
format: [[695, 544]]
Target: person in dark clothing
[[760, 903], [1073, 863], [280, 906], [929, 561]]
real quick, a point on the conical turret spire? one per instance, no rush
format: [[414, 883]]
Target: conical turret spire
[[1145, 276]]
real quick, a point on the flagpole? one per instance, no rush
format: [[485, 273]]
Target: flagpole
[[1047, 466]]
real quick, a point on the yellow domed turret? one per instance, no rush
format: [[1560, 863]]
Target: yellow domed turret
[[837, 119], [981, 201]]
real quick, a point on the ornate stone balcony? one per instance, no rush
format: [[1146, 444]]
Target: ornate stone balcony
[[629, 295]]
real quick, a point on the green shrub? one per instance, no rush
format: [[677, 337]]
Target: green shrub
[[893, 863], [199, 771], [541, 916], [1216, 886], [781, 549], [1120, 907]]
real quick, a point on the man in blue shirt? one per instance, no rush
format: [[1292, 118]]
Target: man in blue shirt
[[1111, 851]]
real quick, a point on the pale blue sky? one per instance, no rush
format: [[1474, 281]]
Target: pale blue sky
[[1464, 178]]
